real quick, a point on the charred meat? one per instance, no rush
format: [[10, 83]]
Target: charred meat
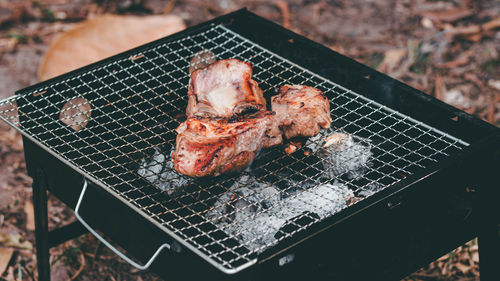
[[212, 146], [224, 89], [301, 110]]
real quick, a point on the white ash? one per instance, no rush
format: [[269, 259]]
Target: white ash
[[368, 190], [266, 194], [159, 171], [322, 200], [245, 197], [253, 212], [342, 154], [255, 232]]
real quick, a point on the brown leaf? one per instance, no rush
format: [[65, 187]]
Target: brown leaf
[[474, 79], [475, 256], [495, 84], [450, 15], [391, 59], [455, 63], [7, 44], [14, 240], [285, 11], [463, 268], [438, 87], [10, 11], [30, 216], [101, 37], [492, 24], [80, 269], [5, 255], [473, 32]]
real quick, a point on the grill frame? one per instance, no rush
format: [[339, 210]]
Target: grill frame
[[391, 191], [106, 160]]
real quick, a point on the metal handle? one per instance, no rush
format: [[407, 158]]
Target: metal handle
[[120, 254]]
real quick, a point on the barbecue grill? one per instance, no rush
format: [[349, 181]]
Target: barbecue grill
[[422, 181]]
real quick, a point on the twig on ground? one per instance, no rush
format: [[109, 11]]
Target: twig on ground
[[29, 272], [472, 30], [80, 269], [491, 109], [438, 87], [285, 11], [170, 5], [469, 76]]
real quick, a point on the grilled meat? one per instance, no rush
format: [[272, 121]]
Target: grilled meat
[[211, 146], [224, 89], [228, 122], [301, 110]]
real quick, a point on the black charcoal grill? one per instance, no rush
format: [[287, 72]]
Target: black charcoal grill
[[420, 181]]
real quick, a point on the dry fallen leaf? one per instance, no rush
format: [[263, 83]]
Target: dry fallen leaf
[[7, 44], [450, 15], [495, 84], [14, 240], [392, 58], [101, 37], [462, 60], [472, 32], [475, 256], [30, 216], [439, 87], [10, 274], [463, 268], [5, 255], [285, 11]]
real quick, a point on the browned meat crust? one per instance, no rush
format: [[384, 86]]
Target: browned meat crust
[[211, 146], [301, 110]]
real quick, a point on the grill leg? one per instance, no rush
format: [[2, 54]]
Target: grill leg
[[489, 252], [41, 229]]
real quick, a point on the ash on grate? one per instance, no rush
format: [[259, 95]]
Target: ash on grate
[[343, 155], [321, 200], [159, 171], [369, 189], [246, 196], [255, 212]]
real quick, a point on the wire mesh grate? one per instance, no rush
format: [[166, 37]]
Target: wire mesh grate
[[127, 111]]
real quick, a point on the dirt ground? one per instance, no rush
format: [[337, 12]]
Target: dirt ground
[[448, 49]]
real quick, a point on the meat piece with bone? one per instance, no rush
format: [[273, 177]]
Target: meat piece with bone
[[228, 122], [301, 110], [223, 89], [212, 146]]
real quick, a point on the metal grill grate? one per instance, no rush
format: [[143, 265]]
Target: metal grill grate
[[137, 102]]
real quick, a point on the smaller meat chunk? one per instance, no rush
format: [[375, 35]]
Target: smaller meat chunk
[[212, 146], [301, 110], [223, 89]]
